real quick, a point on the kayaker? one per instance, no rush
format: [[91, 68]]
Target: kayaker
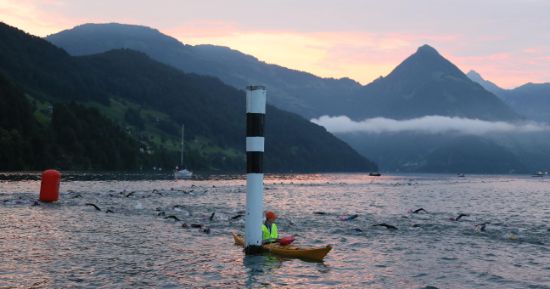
[[269, 228]]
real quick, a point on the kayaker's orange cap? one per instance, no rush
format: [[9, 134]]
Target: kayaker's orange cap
[[270, 215]]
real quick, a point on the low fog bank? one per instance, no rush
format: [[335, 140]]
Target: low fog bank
[[446, 144], [433, 124]]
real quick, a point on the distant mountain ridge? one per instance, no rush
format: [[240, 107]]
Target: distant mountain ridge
[[488, 85], [531, 99], [292, 90], [424, 84]]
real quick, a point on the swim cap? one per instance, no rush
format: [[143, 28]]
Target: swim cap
[[270, 215]]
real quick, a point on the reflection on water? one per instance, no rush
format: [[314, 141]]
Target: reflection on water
[[258, 267], [263, 270], [131, 242]]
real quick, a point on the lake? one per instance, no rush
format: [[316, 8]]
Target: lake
[[131, 243]]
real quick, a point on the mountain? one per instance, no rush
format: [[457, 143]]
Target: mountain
[[424, 84], [531, 100], [149, 100], [450, 153], [291, 90], [473, 155], [489, 86], [76, 137], [428, 84]]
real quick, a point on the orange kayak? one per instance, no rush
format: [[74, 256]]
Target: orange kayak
[[312, 253]]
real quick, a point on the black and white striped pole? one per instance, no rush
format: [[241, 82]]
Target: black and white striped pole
[[255, 119]]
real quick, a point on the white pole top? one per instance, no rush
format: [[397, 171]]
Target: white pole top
[[255, 99]]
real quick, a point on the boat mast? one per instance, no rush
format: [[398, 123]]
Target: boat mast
[[182, 143]]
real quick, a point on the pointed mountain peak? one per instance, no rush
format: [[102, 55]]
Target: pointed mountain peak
[[488, 85], [426, 83], [474, 74], [426, 65], [427, 49]]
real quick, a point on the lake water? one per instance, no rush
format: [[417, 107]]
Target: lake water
[[70, 244]]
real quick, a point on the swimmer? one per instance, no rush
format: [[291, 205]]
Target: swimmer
[[348, 218], [419, 210], [481, 227], [93, 205], [390, 227], [173, 217], [459, 217]]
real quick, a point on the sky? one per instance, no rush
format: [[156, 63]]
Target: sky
[[506, 41]]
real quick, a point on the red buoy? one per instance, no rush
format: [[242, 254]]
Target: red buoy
[[49, 188]]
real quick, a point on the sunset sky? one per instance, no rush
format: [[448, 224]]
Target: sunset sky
[[506, 41]]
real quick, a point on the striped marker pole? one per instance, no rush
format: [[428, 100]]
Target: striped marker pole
[[255, 118]]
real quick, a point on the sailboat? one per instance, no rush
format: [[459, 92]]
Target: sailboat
[[182, 173]]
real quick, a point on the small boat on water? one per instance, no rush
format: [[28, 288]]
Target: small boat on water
[[461, 175], [539, 174], [375, 174], [182, 173], [307, 253]]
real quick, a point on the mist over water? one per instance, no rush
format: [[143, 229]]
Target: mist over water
[[446, 144], [70, 244], [434, 124]]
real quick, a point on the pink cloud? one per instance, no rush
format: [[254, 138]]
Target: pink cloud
[[510, 69], [28, 16], [531, 50]]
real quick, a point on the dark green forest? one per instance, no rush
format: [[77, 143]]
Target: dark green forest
[[77, 137], [121, 110]]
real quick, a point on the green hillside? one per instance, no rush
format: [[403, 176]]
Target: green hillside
[[74, 137]]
